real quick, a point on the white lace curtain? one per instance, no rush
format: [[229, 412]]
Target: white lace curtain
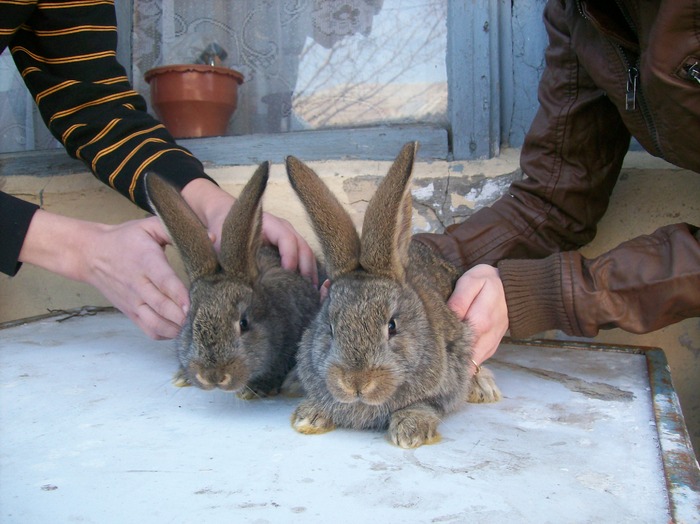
[[21, 126], [308, 64], [263, 40]]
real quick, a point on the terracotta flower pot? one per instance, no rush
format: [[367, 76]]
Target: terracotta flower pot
[[194, 100]]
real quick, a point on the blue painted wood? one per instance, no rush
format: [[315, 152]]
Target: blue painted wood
[[376, 143], [529, 40], [494, 60], [680, 464], [470, 76]]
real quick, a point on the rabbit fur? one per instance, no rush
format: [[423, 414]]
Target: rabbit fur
[[246, 312], [384, 350]]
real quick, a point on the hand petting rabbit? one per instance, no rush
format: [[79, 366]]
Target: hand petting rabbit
[[246, 313], [384, 351]]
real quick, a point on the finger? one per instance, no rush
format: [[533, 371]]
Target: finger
[[289, 252], [484, 346], [164, 305], [153, 325], [463, 295], [157, 230], [325, 287], [307, 263]]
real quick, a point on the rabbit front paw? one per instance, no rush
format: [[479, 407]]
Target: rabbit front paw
[[180, 380], [483, 388], [255, 390], [414, 426], [308, 420]]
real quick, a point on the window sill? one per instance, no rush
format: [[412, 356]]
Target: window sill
[[374, 143]]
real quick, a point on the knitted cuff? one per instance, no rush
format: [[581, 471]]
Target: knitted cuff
[[533, 290], [179, 169]]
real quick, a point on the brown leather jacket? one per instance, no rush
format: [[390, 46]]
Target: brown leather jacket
[[612, 69]]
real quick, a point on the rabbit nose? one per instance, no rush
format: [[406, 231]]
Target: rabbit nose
[[226, 381], [371, 386], [214, 379]]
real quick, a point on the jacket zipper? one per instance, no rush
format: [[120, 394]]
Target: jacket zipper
[[632, 80], [632, 71], [693, 71], [634, 95], [632, 92]]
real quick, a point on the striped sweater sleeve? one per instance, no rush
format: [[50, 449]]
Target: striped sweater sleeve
[[66, 53]]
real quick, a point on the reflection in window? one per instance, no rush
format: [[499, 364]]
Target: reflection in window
[[21, 126], [308, 64]]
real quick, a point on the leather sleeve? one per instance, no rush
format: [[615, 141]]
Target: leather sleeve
[[66, 53], [571, 158], [640, 286]]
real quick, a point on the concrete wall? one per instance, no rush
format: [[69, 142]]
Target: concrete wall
[[650, 193]]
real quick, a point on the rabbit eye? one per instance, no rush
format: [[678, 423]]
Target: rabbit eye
[[330, 329], [243, 323], [392, 327]]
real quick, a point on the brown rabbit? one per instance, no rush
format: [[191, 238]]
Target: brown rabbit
[[384, 351], [247, 313]]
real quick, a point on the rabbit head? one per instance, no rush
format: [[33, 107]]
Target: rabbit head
[[382, 339], [226, 341]]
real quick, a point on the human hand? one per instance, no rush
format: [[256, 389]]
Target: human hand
[[212, 204], [479, 299], [324, 290], [294, 250], [127, 264]]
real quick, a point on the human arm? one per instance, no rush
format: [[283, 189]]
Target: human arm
[[479, 299], [212, 205], [642, 285], [570, 160], [125, 262], [66, 54]]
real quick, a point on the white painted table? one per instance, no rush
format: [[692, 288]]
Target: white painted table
[[91, 430]]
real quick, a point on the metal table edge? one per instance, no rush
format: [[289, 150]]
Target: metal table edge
[[681, 469]]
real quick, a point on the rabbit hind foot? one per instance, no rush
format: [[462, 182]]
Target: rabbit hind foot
[[308, 420], [483, 388]]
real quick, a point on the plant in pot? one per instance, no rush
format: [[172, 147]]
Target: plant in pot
[[195, 100]]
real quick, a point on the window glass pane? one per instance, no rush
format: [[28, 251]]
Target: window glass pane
[[308, 64], [21, 126], [391, 70]]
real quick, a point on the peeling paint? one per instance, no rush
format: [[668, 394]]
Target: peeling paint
[[424, 193], [443, 201], [489, 191]]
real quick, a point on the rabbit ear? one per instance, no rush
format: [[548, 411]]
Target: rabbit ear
[[386, 231], [187, 231], [242, 231], [334, 228]]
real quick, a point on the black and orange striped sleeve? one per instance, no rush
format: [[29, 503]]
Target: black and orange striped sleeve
[[66, 53]]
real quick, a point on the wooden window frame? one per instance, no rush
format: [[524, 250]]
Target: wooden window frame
[[483, 111]]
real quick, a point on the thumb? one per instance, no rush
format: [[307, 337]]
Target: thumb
[[155, 228], [465, 291]]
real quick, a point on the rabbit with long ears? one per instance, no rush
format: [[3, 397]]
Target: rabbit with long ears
[[384, 351], [246, 313]]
